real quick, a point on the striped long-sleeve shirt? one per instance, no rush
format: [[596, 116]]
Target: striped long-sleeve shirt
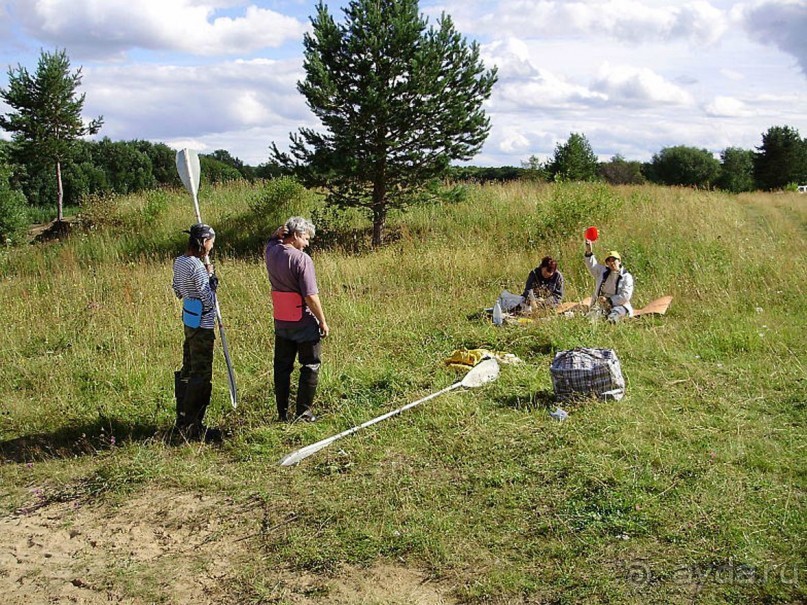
[[192, 281]]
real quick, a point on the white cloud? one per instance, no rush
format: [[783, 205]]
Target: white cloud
[[524, 85], [780, 109], [116, 26], [779, 23], [250, 145], [513, 142], [727, 107], [732, 74], [546, 90], [630, 21], [5, 18], [511, 55], [700, 23], [249, 109], [626, 85], [633, 76], [170, 102]]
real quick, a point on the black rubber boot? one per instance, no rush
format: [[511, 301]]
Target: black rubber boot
[[282, 393], [206, 433], [306, 390], [180, 388], [197, 398]]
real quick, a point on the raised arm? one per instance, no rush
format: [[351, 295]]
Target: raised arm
[[591, 261]]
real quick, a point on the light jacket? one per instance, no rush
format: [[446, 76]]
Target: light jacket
[[624, 287]]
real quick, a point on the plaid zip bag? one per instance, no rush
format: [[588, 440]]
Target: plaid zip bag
[[586, 372]]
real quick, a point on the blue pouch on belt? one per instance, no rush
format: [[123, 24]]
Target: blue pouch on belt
[[192, 312]]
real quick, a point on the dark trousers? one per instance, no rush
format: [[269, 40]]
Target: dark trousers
[[308, 353], [193, 383]]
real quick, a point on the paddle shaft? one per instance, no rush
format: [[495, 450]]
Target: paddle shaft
[[225, 349], [305, 452]]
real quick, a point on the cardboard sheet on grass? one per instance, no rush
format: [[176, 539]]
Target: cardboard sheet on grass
[[510, 304], [658, 306]]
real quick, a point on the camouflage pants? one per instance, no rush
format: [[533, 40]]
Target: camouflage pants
[[197, 354]]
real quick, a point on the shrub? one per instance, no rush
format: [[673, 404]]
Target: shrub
[[100, 210], [13, 212], [451, 193], [155, 206], [281, 198], [574, 206]]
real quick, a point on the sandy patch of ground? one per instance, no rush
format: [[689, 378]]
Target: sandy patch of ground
[[379, 585], [171, 547], [63, 553]]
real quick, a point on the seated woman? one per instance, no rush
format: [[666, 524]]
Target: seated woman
[[614, 285], [544, 286]]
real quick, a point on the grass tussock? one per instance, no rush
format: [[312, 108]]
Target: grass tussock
[[691, 488]]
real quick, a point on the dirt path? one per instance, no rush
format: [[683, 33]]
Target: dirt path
[[171, 547]]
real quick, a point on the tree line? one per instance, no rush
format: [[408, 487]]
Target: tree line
[[399, 101], [780, 162], [104, 168], [107, 167]]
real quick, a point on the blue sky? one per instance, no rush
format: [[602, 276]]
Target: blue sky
[[633, 76]]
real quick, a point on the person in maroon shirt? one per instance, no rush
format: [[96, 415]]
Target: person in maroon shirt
[[299, 319]]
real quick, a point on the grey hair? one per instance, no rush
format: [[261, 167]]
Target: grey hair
[[297, 224]]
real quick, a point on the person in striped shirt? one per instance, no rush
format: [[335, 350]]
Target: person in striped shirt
[[195, 283]]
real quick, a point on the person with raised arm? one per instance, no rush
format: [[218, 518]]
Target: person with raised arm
[[613, 285]]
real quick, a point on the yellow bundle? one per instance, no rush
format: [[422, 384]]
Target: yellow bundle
[[467, 358]]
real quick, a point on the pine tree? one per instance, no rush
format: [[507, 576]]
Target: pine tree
[[398, 100], [781, 159], [574, 160], [46, 118]]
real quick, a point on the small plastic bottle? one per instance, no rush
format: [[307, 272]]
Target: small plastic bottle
[[559, 414], [498, 318]]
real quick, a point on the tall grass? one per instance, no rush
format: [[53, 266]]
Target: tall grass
[[699, 469]]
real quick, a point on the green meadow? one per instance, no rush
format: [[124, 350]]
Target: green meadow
[[690, 489]]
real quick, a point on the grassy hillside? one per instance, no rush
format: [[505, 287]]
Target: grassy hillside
[[689, 489]]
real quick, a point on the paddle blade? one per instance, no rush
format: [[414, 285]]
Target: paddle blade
[[189, 169], [482, 373], [304, 452], [592, 234]]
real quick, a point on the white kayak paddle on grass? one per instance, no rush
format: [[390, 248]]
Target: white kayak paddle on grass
[[189, 172], [484, 372]]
